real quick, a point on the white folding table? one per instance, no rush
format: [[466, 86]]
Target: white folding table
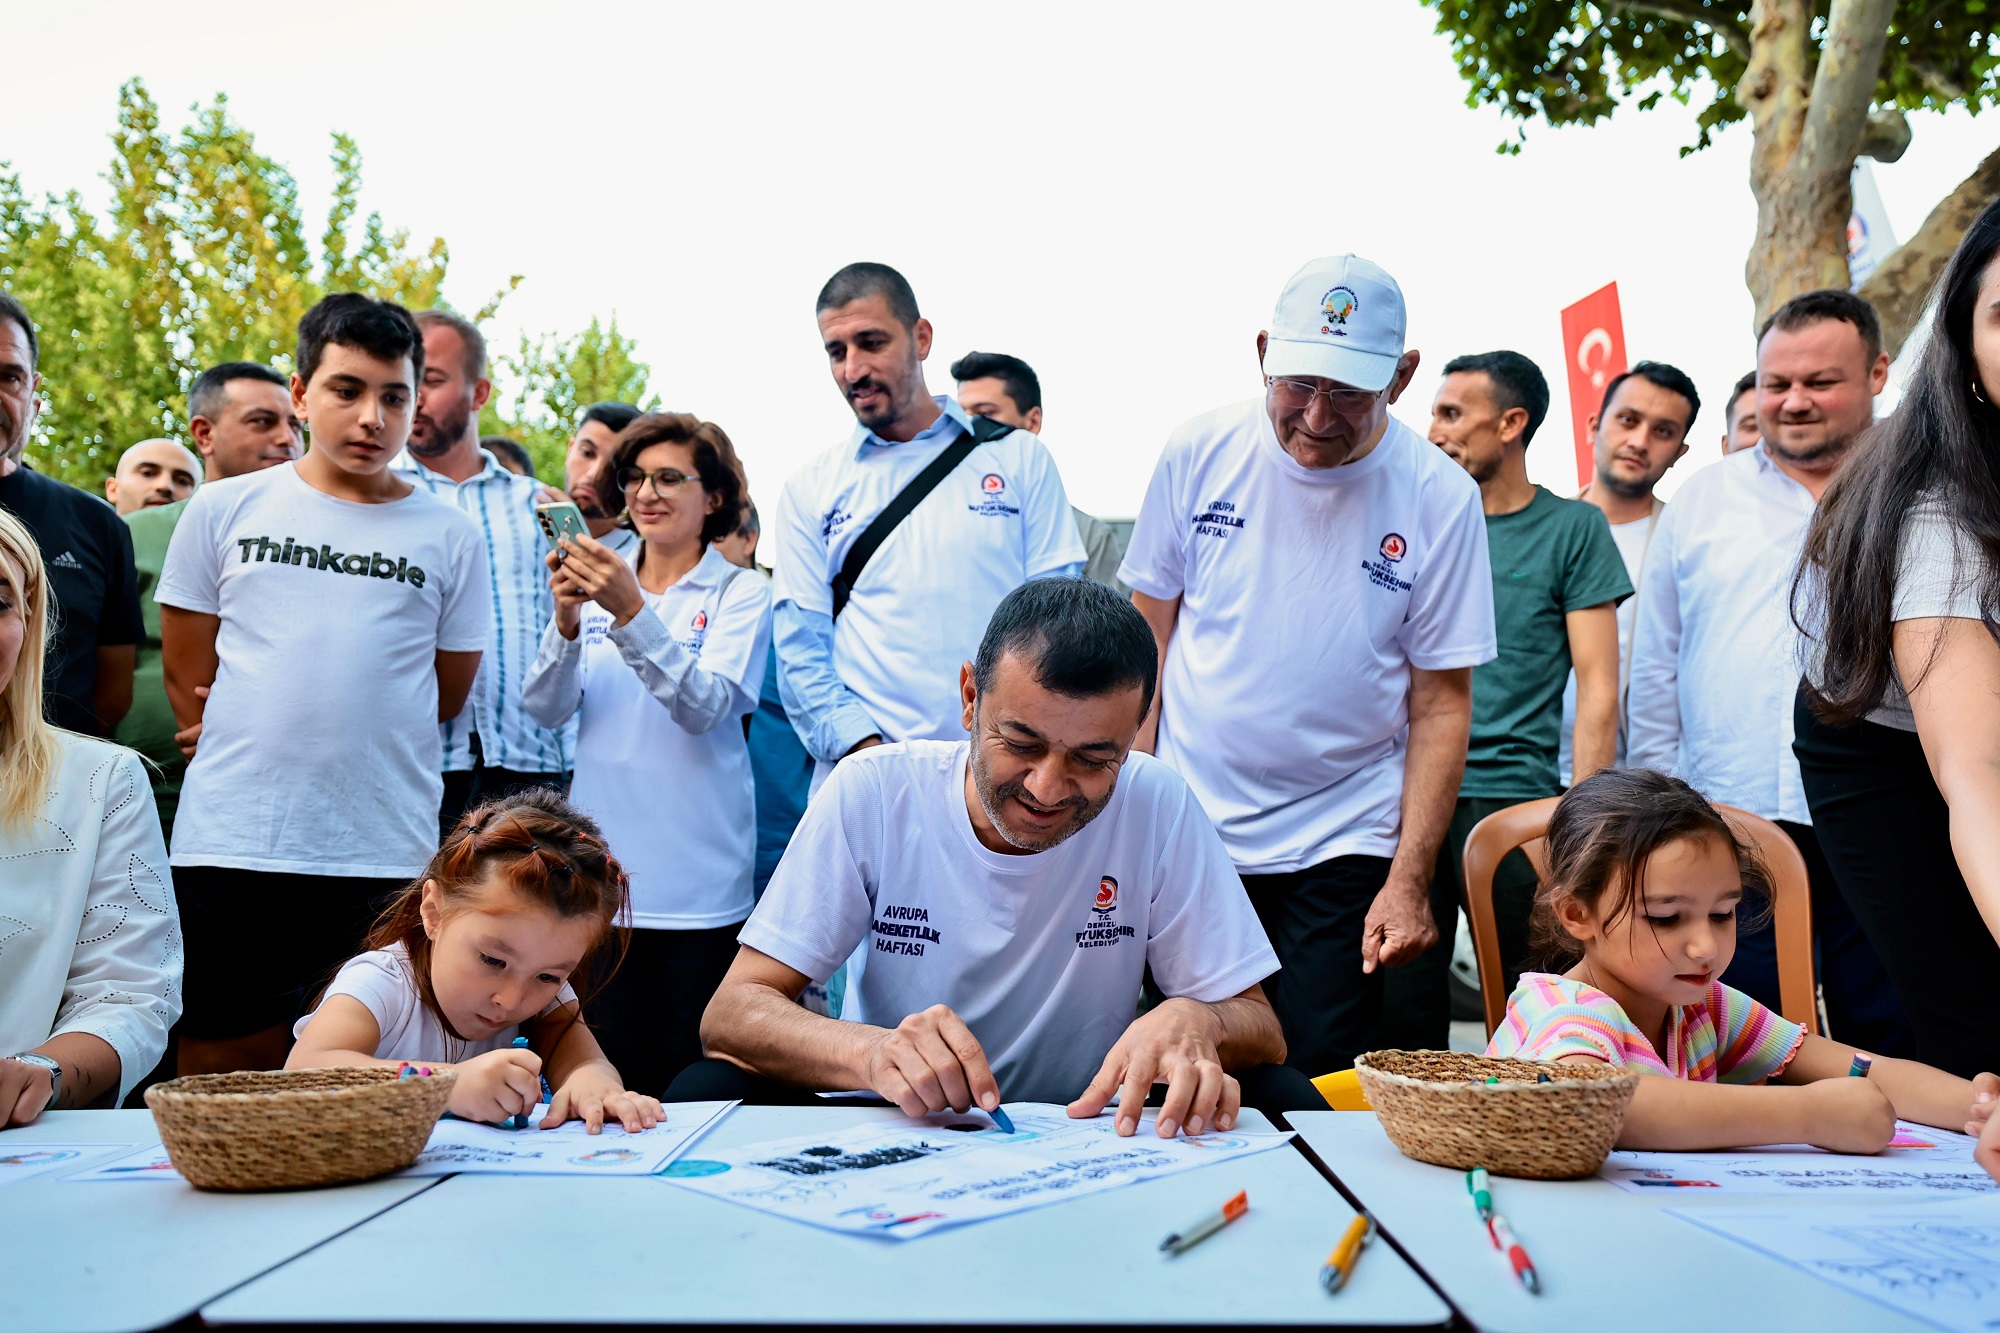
[[1606, 1258], [563, 1250], [110, 1256]]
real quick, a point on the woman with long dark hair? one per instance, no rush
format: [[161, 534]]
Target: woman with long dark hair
[[1898, 720]]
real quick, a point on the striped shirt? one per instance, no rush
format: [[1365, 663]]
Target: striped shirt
[[1726, 1038], [502, 506]]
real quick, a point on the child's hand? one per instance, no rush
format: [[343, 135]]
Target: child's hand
[[595, 1090], [1987, 1154], [498, 1084], [1848, 1115], [1985, 1096]]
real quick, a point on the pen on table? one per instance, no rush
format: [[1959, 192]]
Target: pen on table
[[1000, 1119], [1180, 1242], [1339, 1265], [1862, 1064], [1509, 1244], [1482, 1194]]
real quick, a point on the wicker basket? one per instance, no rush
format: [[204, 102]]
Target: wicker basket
[[1437, 1107], [299, 1127]]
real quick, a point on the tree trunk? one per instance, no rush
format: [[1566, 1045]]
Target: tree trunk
[[1902, 285], [1807, 124]]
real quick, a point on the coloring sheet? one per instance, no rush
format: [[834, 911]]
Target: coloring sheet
[[28, 1160], [903, 1177], [1921, 1163], [1938, 1262], [148, 1163], [462, 1146]]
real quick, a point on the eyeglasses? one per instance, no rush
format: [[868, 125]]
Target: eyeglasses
[[1299, 394], [667, 483]]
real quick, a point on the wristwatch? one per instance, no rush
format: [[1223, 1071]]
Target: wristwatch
[[44, 1062]]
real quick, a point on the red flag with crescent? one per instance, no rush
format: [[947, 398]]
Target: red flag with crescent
[[1594, 351]]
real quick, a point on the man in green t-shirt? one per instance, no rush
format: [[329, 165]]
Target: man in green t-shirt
[[241, 420], [1557, 582]]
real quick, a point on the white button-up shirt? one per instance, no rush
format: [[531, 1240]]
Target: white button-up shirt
[[1715, 656], [502, 506]]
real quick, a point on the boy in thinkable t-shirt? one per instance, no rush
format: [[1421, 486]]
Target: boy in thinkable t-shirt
[[317, 620]]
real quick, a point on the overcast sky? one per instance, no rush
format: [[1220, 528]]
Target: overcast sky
[[1114, 194]]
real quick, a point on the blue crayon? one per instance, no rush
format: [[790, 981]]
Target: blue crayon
[[1000, 1119], [521, 1121]]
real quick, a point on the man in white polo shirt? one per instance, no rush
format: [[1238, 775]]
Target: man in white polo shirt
[[868, 650], [1316, 575], [1011, 894]]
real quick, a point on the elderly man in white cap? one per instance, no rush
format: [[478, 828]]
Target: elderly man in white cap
[[1315, 573]]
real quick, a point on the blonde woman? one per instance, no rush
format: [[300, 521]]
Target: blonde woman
[[90, 942]]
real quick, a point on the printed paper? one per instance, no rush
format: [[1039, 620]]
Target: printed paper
[[902, 1178], [1921, 1163], [464, 1147], [1938, 1262], [26, 1160], [148, 1163]]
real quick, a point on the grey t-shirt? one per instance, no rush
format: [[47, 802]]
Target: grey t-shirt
[[1940, 571]]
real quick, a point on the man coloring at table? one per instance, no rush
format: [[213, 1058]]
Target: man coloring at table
[[1010, 893]]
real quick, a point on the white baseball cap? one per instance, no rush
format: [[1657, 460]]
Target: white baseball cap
[[1340, 319]]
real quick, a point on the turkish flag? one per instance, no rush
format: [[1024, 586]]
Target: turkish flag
[[1594, 351]]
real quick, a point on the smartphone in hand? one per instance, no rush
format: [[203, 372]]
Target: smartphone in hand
[[559, 520]]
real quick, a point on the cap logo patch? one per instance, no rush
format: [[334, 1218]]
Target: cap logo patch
[[1337, 305]]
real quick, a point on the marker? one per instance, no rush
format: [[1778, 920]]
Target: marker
[[1482, 1194], [406, 1072], [1492, 1078], [1180, 1242], [1543, 1078], [1339, 1266], [1509, 1244], [1000, 1119], [1862, 1064], [521, 1121]]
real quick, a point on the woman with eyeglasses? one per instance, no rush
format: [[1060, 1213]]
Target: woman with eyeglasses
[[660, 651]]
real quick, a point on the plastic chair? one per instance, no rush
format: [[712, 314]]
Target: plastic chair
[[1524, 825]]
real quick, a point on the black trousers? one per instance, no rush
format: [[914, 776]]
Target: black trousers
[[648, 1017], [1416, 998], [465, 788], [1886, 833], [1862, 1008], [1314, 918], [1266, 1088]]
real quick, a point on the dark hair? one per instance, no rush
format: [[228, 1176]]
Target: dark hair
[[206, 394], [750, 522], [715, 462], [1016, 375], [1828, 303], [1736, 392], [508, 451], [548, 851], [382, 329], [1081, 637], [1604, 831], [469, 337], [1670, 378], [1517, 382], [11, 308], [614, 417], [1940, 447], [858, 282]]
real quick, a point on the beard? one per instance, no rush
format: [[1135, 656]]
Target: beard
[[1830, 449], [434, 433], [1627, 490], [874, 421], [992, 796]]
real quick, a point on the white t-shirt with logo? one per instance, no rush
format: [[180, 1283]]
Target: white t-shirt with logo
[[386, 985], [319, 749], [1306, 597], [918, 611], [676, 805], [1042, 954]]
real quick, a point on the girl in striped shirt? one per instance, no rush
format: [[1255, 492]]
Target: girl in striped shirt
[[1639, 903]]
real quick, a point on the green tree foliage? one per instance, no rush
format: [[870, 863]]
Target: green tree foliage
[[548, 382], [203, 257], [1822, 81]]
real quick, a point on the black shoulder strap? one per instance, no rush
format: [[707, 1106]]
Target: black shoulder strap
[[907, 499]]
